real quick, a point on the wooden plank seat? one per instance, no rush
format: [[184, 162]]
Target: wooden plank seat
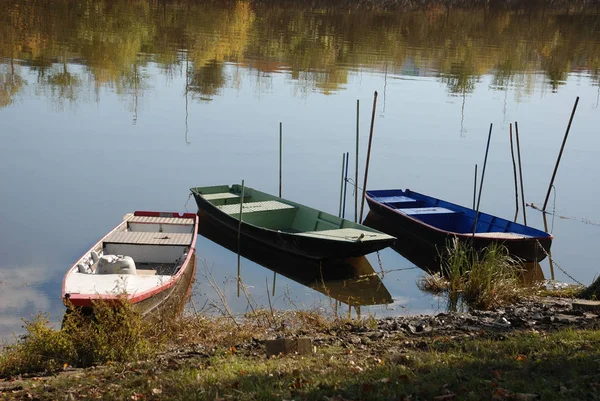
[[394, 199], [160, 220], [509, 235], [253, 207], [426, 210], [222, 195], [149, 238], [350, 234]]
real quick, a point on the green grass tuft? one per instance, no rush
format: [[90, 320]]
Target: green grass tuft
[[479, 280], [116, 333]]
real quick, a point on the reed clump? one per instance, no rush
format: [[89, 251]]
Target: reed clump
[[477, 279], [115, 333]]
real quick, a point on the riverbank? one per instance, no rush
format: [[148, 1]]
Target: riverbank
[[541, 348]]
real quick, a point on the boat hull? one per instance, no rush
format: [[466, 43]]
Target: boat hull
[[304, 246], [435, 240]]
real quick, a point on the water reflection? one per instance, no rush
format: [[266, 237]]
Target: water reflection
[[77, 48], [351, 281], [21, 296]]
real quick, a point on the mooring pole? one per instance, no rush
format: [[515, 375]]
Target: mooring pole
[[239, 241], [487, 148], [345, 184], [280, 181], [562, 147], [475, 187], [362, 202], [342, 184], [549, 253], [356, 164], [280, 155], [512, 154], [520, 173]]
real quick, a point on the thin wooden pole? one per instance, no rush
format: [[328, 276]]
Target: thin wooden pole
[[280, 182], [562, 147], [512, 154], [356, 164], [548, 252], [280, 155], [487, 148], [342, 184], [345, 184], [520, 173], [475, 187], [362, 202], [239, 241]]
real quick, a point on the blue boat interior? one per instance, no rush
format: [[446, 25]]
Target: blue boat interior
[[448, 216]]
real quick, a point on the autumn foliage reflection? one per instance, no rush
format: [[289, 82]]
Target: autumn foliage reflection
[[75, 47]]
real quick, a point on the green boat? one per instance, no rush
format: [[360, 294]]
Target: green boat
[[285, 225]]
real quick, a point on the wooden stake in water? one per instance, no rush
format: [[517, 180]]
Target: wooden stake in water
[[487, 148], [356, 164], [280, 181], [520, 173], [280, 155], [562, 147], [239, 241], [362, 202], [548, 252], [342, 184], [512, 154], [475, 187], [345, 184]]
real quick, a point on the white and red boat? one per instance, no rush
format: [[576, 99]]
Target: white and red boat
[[149, 258]]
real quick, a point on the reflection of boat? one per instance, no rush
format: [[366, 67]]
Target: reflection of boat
[[287, 226], [352, 280], [434, 222], [421, 254], [149, 258]]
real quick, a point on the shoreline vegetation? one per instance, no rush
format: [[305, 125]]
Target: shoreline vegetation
[[520, 343]]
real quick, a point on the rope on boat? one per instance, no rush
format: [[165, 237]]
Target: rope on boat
[[554, 263], [186, 202], [380, 265]]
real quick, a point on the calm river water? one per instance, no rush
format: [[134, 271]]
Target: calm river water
[[112, 106]]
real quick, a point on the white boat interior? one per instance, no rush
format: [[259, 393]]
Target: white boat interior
[[141, 253]]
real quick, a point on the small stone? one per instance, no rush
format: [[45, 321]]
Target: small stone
[[354, 339], [278, 346], [585, 305]]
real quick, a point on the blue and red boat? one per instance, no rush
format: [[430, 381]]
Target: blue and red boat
[[433, 222]]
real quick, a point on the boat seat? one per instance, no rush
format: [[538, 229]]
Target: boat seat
[[253, 207], [393, 199], [148, 238], [160, 220], [349, 234], [398, 201], [426, 210], [219, 196]]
